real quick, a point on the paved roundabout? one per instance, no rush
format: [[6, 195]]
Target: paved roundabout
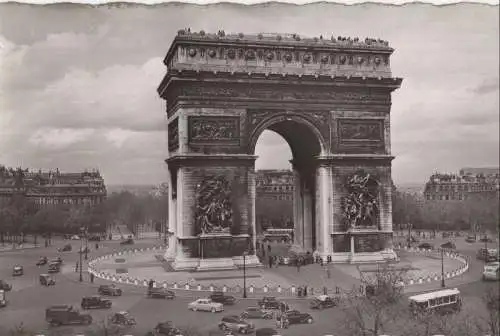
[[28, 299]]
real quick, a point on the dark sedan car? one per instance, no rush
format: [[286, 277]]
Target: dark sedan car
[[110, 290], [257, 313], [5, 286], [270, 302], [426, 246], [266, 332], [219, 297], [161, 293], [95, 302], [449, 245], [322, 302], [128, 241], [167, 329], [296, 317], [42, 261]]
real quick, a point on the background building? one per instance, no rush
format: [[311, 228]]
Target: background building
[[50, 188], [274, 203], [469, 182]]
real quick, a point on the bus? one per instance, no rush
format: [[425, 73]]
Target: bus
[[280, 235], [443, 302]]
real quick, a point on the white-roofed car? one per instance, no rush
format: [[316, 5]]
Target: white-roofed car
[[206, 305], [323, 301], [491, 271]]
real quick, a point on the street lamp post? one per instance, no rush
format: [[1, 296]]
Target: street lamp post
[[442, 268], [244, 275], [81, 248], [86, 243]]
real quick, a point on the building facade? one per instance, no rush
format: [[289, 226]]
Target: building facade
[[468, 183], [51, 188]]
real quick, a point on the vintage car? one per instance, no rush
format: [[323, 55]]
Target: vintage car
[[95, 302], [65, 248], [46, 280], [267, 332], [54, 267], [128, 241], [257, 313], [296, 317], [270, 302], [206, 305], [470, 239], [426, 246], [323, 301], [42, 261], [75, 237], [221, 298], [57, 260], [167, 328], [65, 315], [5, 286], [491, 271], [160, 293], [486, 239], [3, 300], [449, 245], [110, 290], [17, 270], [122, 318], [235, 323]]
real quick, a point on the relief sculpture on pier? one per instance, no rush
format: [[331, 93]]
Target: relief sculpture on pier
[[210, 129], [360, 207]]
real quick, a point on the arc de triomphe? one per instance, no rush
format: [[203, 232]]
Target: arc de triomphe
[[330, 99]]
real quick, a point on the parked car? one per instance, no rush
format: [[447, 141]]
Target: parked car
[[161, 293], [296, 317], [267, 332], [470, 239], [110, 290], [93, 302], [492, 271], [128, 241], [42, 261], [270, 302], [167, 328], [46, 280], [206, 305], [65, 315], [94, 238], [221, 298], [257, 313], [235, 323], [486, 239], [3, 300], [488, 255], [75, 237], [57, 260], [122, 318], [65, 248], [323, 301], [426, 246], [449, 245], [5, 286], [54, 268], [17, 270]]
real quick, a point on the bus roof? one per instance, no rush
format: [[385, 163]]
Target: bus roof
[[433, 295]]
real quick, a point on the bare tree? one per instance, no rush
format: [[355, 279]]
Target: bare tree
[[379, 308]]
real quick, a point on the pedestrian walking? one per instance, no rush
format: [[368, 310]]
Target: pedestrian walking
[[305, 291], [91, 277], [96, 246], [270, 261], [299, 262], [76, 267]]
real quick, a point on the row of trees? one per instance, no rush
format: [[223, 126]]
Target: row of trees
[[21, 217], [480, 212]]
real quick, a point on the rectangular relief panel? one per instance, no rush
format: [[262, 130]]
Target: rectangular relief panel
[[368, 243], [360, 135], [173, 135], [214, 130]]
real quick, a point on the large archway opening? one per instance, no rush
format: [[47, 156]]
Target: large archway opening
[[287, 150]]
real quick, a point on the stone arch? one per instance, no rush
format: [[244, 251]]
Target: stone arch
[[275, 123]]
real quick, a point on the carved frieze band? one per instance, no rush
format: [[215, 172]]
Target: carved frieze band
[[208, 130], [276, 93], [173, 135], [356, 131]]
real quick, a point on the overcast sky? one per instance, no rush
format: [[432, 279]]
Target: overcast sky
[[78, 84]]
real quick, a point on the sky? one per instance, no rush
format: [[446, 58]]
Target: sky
[[78, 83]]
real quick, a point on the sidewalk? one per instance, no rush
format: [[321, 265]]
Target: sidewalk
[[16, 247]]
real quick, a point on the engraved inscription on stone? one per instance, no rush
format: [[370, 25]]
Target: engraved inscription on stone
[[173, 135], [211, 129], [361, 130]]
